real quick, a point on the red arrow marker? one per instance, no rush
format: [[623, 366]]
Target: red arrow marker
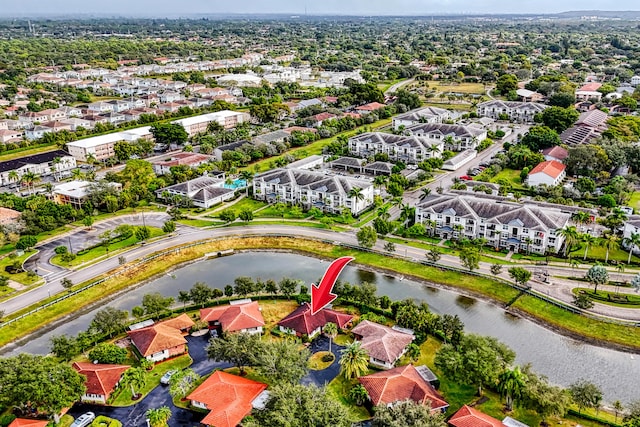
[[321, 294]]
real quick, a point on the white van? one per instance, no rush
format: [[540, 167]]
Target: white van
[[84, 420]]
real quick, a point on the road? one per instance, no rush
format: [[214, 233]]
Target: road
[[394, 88]]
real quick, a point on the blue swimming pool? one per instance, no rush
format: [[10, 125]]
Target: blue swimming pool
[[238, 183]]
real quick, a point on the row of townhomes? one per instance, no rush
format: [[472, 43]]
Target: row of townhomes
[[504, 224], [422, 115], [519, 112], [314, 189]]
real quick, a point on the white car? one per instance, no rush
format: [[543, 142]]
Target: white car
[[167, 377], [84, 420]]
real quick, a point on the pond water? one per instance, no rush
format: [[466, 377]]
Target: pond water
[[563, 360]]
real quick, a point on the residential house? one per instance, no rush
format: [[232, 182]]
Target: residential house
[[36, 132], [318, 119], [43, 164], [455, 137], [301, 322], [505, 225], [28, 422], [313, 189], [76, 193], [369, 108], [101, 107], [519, 112], [33, 117], [529, 95], [631, 226], [550, 172], [635, 81], [9, 216], [75, 123], [408, 149], [228, 398], [193, 160], [384, 345], [422, 115], [401, 384], [7, 136], [239, 316], [101, 380], [271, 137], [589, 92], [470, 417], [203, 191], [183, 323], [158, 342], [556, 153]]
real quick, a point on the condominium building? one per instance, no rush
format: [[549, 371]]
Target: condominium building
[[422, 115], [227, 119], [519, 112], [409, 149], [455, 137]]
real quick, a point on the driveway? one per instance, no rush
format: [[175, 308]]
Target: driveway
[[324, 377], [134, 416]]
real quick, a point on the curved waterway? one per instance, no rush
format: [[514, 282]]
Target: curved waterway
[[563, 360]]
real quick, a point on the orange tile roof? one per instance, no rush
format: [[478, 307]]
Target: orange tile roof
[[400, 384], [101, 378], [590, 87], [469, 417], [371, 106], [228, 397], [181, 322], [552, 168], [234, 318], [301, 320], [382, 342], [8, 215], [156, 338], [23, 422]]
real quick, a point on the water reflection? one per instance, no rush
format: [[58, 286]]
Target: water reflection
[[465, 301]]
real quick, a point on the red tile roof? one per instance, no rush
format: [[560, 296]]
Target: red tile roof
[[234, 318], [156, 338], [228, 397], [371, 106], [181, 322], [302, 321], [552, 168], [556, 152], [323, 116], [398, 384], [469, 417], [590, 87], [382, 342], [101, 379], [23, 422]]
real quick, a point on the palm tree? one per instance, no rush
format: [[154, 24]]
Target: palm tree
[[426, 191], [54, 167], [158, 417], [29, 179], [610, 242], [588, 241], [356, 193], [379, 181], [248, 177], [432, 225], [358, 394], [407, 212], [76, 174], [511, 383], [135, 378], [91, 159], [458, 229], [528, 241], [570, 234], [330, 330], [13, 176], [632, 241], [383, 212], [355, 360], [581, 217]]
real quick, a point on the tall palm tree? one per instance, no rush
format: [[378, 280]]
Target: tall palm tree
[[379, 181], [589, 241], [55, 164], [383, 212], [355, 360], [134, 378], [248, 177], [158, 417], [528, 241], [330, 330], [571, 235], [632, 241], [511, 384], [407, 212], [76, 174], [29, 179], [610, 242], [432, 224], [426, 191], [13, 176], [356, 193], [581, 217]]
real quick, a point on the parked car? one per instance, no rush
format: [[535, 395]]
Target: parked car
[[84, 420], [466, 178], [167, 377]]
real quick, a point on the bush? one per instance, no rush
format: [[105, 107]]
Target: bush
[[6, 419], [328, 357], [61, 250], [102, 421]]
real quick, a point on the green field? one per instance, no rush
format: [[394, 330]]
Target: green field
[[473, 88]]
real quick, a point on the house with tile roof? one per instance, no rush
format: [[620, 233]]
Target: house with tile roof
[[422, 115], [239, 316], [313, 189], [25, 422], [204, 191], [470, 417], [158, 342], [183, 323], [301, 322], [408, 149], [519, 112], [400, 384], [228, 398], [384, 345], [455, 137], [589, 91], [550, 172], [101, 380], [505, 224], [369, 108], [8, 216], [192, 160], [556, 153]]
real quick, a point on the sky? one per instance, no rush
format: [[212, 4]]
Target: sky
[[341, 7]]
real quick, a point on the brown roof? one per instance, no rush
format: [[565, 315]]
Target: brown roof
[[556, 152], [301, 320], [552, 168], [101, 379], [181, 322], [398, 384], [234, 318], [229, 398], [23, 422], [371, 106], [469, 417], [292, 129], [8, 216], [382, 342], [156, 338]]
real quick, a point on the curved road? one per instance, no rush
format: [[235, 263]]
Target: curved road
[[559, 289]]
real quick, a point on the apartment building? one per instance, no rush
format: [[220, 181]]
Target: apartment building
[[422, 115], [227, 119], [408, 149], [455, 137], [519, 112], [42, 164]]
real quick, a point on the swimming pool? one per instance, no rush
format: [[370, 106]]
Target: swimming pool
[[238, 183]]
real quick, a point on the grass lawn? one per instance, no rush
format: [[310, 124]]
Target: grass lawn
[[275, 311], [475, 88], [288, 213], [23, 277], [339, 390], [198, 222], [600, 254], [511, 175], [245, 203], [634, 299], [343, 339], [126, 211], [317, 364], [100, 251], [123, 396], [634, 201]]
